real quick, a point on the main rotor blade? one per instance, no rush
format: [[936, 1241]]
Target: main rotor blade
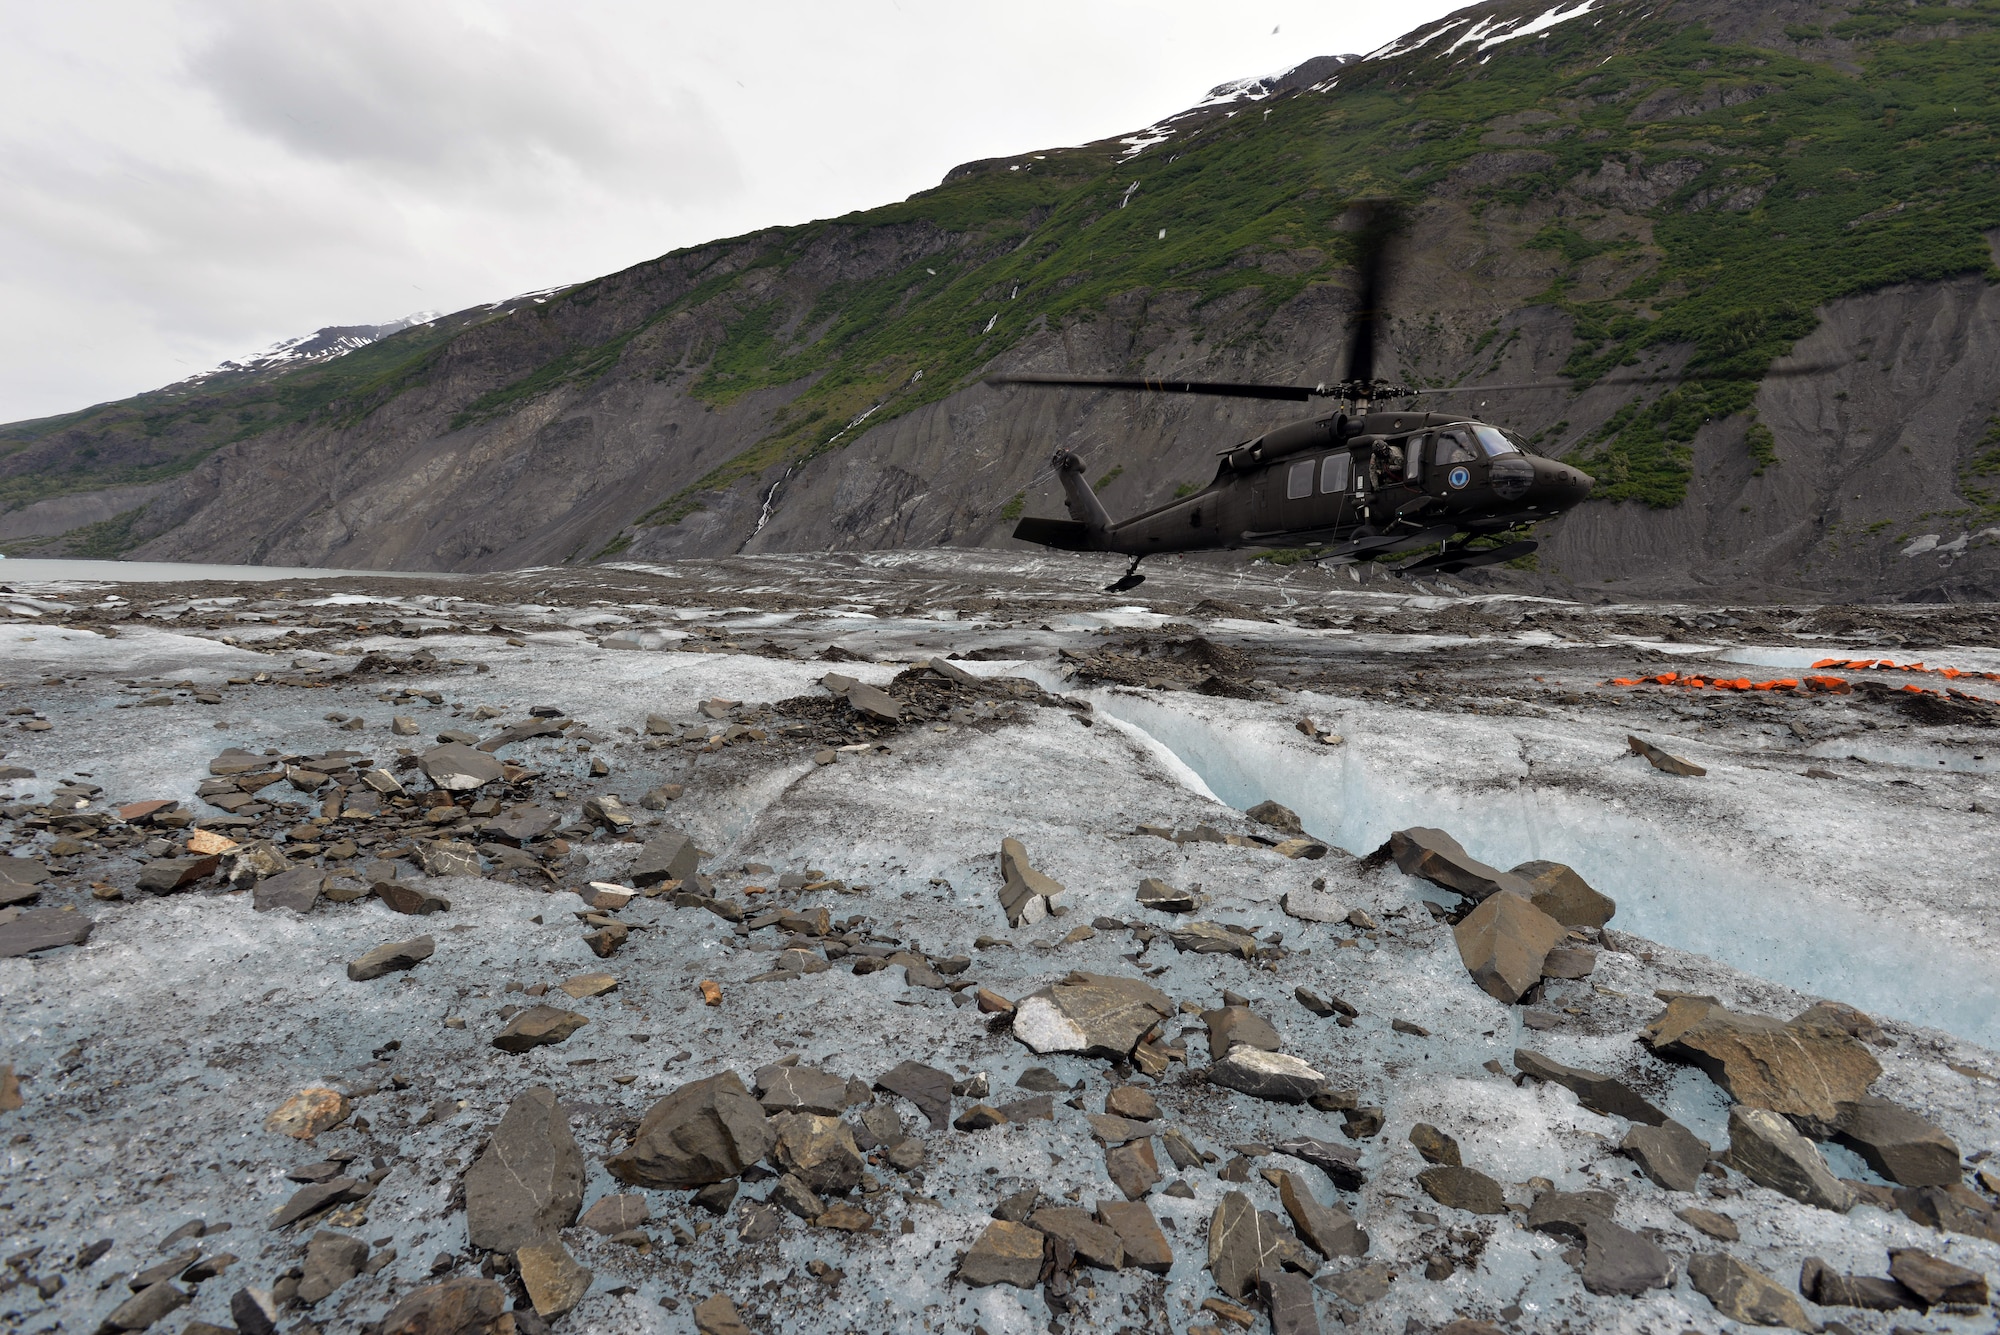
[[1379, 220], [1214, 388], [1660, 378]]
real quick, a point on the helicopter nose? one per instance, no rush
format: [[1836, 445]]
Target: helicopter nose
[[1560, 486]]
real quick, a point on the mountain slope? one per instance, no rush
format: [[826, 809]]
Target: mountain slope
[[1688, 183]]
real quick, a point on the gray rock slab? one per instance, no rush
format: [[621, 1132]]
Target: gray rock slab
[[528, 1183], [1898, 1143], [1341, 1163], [1669, 1153], [1006, 1253], [783, 1088], [1766, 1149], [1463, 1189], [1245, 1242], [391, 957], [1099, 1015], [1618, 1262], [1442, 860], [925, 1086], [298, 890], [1276, 1076], [458, 768], [703, 1132], [42, 929], [669, 855], [1600, 1093], [1328, 1230]]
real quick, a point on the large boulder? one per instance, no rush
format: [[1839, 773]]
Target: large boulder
[[538, 1026], [1098, 1015], [1935, 1280], [1210, 938], [297, 889], [1278, 817], [390, 957], [1805, 1069], [1341, 1163], [466, 1306], [1620, 1263], [1829, 1288], [1132, 1167], [1004, 1254], [552, 1277], [1557, 890], [1443, 861], [703, 1132], [925, 1086], [819, 1150], [1765, 1148], [1503, 943], [528, 1184], [1897, 1143], [1463, 1189], [1742, 1294]]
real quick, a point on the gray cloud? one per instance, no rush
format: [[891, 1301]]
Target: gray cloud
[[424, 91], [187, 180]]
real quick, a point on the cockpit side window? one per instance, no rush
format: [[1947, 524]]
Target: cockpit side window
[[1452, 448], [1493, 442]]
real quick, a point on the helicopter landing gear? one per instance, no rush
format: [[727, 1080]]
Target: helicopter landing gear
[[1451, 560], [1131, 579]]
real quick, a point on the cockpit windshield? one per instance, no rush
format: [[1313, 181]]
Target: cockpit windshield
[[1493, 442]]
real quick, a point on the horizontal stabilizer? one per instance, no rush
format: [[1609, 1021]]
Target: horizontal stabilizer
[[1063, 534]]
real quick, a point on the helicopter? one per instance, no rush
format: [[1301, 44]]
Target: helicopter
[[1359, 485]]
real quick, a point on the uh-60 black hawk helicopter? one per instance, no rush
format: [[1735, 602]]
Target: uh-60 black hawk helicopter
[[1356, 486]]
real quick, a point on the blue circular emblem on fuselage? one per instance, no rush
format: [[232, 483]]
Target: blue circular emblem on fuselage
[[1459, 476]]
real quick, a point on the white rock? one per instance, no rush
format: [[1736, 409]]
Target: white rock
[[1040, 1023]]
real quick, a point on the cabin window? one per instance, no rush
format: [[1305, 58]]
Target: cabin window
[[1299, 482], [1452, 448], [1413, 459], [1494, 443], [1333, 474]]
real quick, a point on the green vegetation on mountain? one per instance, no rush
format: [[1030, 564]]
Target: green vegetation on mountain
[[1833, 161], [1809, 184], [167, 432]]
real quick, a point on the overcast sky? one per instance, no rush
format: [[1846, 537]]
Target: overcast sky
[[183, 181]]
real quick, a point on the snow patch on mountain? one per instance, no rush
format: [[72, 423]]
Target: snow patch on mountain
[[318, 346]]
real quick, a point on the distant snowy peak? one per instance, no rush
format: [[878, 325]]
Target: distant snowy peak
[[318, 346], [1487, 32], [1313, 73], [1309, 75]]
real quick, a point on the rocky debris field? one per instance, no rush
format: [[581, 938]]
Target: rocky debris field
[[929, 942]]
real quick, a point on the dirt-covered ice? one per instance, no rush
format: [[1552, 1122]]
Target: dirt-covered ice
[[1840, 846]]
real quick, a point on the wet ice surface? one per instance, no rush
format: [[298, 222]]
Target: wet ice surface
[[152, 1054]]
